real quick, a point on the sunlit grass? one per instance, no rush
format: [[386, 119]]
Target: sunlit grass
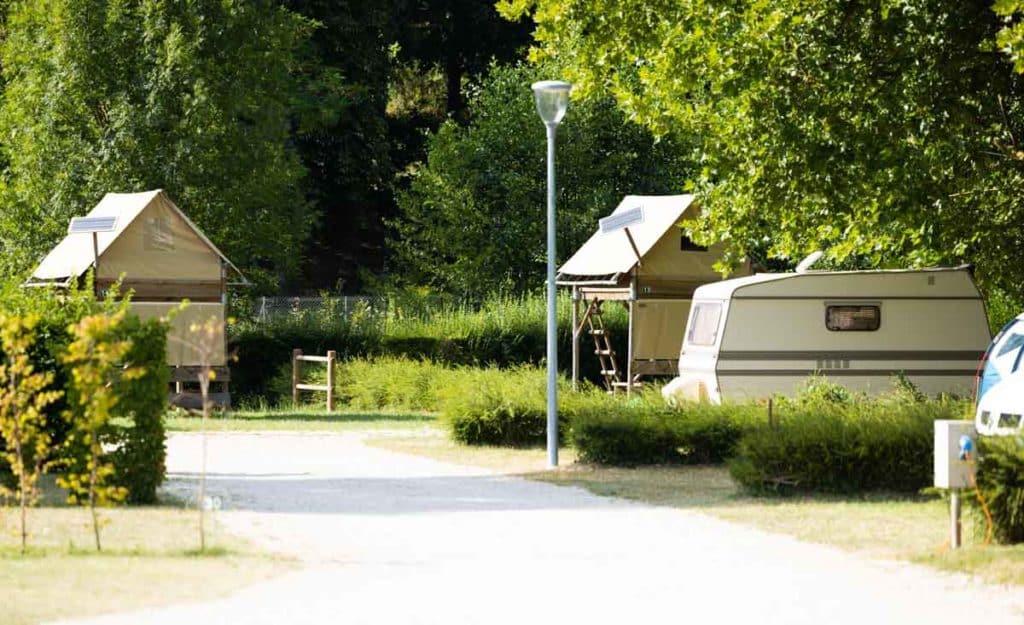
[[150, 557], [303, 418]]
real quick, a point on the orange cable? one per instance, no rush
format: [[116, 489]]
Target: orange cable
[[981, 499]]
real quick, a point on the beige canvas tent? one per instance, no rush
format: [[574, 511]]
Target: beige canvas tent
[[653, 270], [161, 257]]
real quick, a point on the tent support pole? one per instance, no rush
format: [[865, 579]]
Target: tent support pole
[[575, 338], [95, 265], [629, 345]]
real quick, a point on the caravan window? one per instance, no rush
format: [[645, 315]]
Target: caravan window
[[853, 318], [704, 324]]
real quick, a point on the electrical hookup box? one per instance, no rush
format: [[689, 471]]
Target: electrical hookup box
[[952, 469]]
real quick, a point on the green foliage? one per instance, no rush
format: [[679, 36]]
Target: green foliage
[[95, 357], [1011, 38], [138, 441], [1002, 307], [473, 218], [195, 98], [136, 435], [886, 133], [848, 446], [1001, 480], [501, 407], [392, 384], [501, 331], [23, 400], [645, 430]]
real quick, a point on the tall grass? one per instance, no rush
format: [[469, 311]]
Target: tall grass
[[503, 331]]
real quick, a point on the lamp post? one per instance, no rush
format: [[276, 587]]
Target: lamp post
[[552, 99]]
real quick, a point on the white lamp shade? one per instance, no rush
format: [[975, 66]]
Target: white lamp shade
[[552, 98]]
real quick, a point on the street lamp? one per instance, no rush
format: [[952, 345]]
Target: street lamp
[[552, 99]]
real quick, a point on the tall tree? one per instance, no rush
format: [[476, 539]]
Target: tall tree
[[888, 130], [461, 36], [197, 98], [473, 221], [346, 152]]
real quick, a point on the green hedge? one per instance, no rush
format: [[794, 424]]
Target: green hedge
[[502, 407], [137, 437], [845, 447], [1001, 480], [644, 430]]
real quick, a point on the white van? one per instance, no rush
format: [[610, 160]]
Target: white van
[[1001, 383], [766, 334]]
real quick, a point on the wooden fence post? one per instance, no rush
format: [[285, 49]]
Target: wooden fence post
[[296, 375], [331, 357]]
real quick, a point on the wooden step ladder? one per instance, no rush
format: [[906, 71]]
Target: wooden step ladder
[[594, 320]]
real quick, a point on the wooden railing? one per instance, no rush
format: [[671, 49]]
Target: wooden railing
[[297, 359]]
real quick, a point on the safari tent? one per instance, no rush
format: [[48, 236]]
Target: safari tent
[[161, 257], [764, 334], [653, 269]]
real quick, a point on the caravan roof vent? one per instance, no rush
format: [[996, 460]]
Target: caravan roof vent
[[806, 263]]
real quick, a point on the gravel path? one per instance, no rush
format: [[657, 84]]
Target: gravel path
[[393, 539]]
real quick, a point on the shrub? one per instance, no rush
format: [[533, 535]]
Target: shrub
[[139, 452], [500, 407], [850, 446], [645, 430], [136, 436], [1001, 480]]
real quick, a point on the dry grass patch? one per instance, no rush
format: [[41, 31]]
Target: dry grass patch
[[149, 559], [878, 525]]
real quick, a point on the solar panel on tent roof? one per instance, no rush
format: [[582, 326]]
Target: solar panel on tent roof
[[81, 225]]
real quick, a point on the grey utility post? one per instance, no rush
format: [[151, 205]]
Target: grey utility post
[[552, 100]]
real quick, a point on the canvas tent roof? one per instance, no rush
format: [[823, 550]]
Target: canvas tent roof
[[608, 254], [73, 256]]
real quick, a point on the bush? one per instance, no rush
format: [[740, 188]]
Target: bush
[[139, 452], [1001, 480], [849, 446], [137, 437], [645, 430], [500, 407]]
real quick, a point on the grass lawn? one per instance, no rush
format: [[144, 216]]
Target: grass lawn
[[896, 527], [304, 418], [148, 559]]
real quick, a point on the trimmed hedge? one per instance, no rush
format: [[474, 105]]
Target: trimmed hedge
[[1001, 480], [644, 430], [847, 447], [501, 407], [137, 436]]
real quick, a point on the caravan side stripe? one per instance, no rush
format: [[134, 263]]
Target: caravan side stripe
[[851, 355], [803, 373]]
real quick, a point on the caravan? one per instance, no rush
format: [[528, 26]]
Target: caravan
[[766, 334]]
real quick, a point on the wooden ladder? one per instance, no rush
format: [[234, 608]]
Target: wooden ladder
[[594, 320]]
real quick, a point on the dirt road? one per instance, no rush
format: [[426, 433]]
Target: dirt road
[[393, 539]]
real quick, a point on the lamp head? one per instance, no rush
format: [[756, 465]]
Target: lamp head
[[552, 98]]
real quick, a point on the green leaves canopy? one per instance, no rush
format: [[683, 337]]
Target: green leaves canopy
[[193, 97], [885, 132], [474, 217]]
